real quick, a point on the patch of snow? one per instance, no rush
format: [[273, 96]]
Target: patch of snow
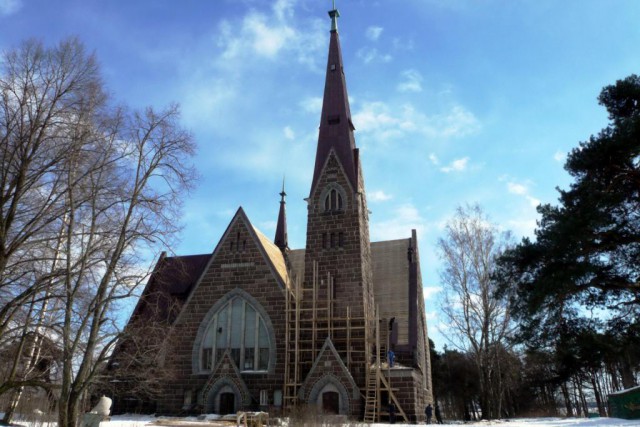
[[130, 420]]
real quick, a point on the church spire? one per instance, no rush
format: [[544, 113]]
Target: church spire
[[281, 240], [336, 128]]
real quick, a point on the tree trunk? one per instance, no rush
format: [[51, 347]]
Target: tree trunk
[[626, 373], [597, 394], [567, 399]]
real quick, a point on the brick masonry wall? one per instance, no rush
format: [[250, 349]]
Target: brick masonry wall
[[251, 274], [350, 263], [410, 393]]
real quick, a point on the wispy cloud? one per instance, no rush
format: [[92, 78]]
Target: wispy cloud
[[378, 196], [522, 190], [9, 7], [560, 156], [403, 219], [403, 44], [411, 81], [386, 123], [430, 292], [370, 55], [523, 222], [288, 133], [458, 165], [312, 105], [267, 35], [434, 159], [373, 33]]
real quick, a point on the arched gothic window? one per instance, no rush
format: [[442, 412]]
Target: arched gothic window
[[333, 201], [239, 328]]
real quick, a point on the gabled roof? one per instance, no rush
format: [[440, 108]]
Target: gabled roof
[[272, 254], [174, 278]]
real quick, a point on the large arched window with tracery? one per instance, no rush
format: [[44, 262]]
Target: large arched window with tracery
[[239, 328]]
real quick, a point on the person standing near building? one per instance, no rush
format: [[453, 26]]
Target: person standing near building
[[392, 413], [428, 411], [438, 414]]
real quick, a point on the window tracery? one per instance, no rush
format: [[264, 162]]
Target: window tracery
[[237, 327]]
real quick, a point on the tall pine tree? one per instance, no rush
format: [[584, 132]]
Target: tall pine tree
[[585, 259]]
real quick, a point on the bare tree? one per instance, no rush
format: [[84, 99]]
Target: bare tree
[[90, 192], [479, 320], [42, 91]]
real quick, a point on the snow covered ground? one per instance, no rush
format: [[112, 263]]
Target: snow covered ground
[[133, 421], [142, 421]]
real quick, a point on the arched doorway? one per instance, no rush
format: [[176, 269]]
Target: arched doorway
[[223, 398], [227, 403], [331, 402]]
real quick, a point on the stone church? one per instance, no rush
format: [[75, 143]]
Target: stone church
[[338, 325]]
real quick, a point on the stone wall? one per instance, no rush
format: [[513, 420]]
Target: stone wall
[[237, 264]]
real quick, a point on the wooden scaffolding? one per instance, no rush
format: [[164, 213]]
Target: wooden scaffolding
[[311, 317]]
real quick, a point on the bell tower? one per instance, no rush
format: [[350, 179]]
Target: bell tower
[[338, 253]]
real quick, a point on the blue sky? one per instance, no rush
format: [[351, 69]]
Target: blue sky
[[454, 101]]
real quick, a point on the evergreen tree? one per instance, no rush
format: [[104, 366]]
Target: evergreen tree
[[585, 260]]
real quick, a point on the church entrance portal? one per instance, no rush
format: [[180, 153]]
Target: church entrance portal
[[227, 403], [330, 402]]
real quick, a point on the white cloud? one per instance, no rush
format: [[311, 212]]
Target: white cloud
[[404, 218], [457, 165], [373, 32], [268, 35], [288, 133], [515, 188], [312, 105], [403, 44], [369, 55], [411, 81], [434, 159], [522, 190], [8, 7], [522, 226], [386, 123], [378, 196], [430, 292], [206, 98], [560, 156]]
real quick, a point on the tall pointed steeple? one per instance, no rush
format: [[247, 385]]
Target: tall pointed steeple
[[336, 128], [337, 257], [281, 240]]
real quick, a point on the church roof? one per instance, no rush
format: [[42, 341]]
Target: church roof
[[174, 278], [275, 255], [336, 128], [169, 286]]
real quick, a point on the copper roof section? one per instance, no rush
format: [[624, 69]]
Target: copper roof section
[[336, 128]]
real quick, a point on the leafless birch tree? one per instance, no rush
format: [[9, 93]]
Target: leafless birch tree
[[479, 321]]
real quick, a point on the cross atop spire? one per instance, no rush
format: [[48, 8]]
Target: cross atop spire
[[334, 14]]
